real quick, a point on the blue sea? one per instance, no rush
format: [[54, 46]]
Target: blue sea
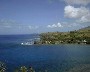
[[49, 58]]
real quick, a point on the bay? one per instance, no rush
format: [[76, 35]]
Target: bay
[[53, 58]]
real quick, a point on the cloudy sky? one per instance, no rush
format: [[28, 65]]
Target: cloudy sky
[[36, 16]]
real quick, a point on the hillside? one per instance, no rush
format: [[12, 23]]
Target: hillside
[[85, 29], [80, 36]]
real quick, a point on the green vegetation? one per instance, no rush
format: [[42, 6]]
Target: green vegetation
[[2, 67], [75, 68], [25, 69], [81, 36]]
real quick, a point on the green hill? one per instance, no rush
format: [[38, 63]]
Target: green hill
[[79, 36]]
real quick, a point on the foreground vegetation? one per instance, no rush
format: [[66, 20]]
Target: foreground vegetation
[[77, 68], [81, 36], [3, 68]]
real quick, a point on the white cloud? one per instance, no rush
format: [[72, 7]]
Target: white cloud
[[81, 13], [7, 26], [33, 27], [52, 26], [73, 25], [78, 2], [49, 26], [14, 25], [6, 23], [72, 12], [84, 19], [58, 25], [30, 27]]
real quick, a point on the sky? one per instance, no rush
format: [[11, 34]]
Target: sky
[[37, 16]]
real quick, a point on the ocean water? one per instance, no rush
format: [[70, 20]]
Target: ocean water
[[53, 58]]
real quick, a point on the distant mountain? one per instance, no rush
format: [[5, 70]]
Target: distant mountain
[[86, 29]]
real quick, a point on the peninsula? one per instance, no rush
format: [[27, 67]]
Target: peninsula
[[81, 36]]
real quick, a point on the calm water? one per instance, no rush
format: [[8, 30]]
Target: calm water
[[53, 58]]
